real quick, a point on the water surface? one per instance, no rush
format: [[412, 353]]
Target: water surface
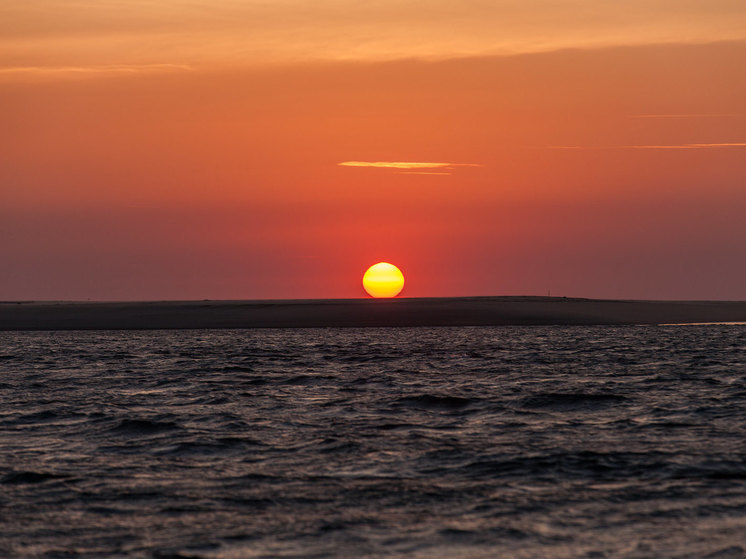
[[403, 442]]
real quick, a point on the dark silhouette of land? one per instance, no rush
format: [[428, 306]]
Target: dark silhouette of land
[[456, 311]]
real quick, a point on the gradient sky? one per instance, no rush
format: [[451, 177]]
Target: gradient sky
[[275, 149]]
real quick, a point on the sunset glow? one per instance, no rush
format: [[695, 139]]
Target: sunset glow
[[265, 150]]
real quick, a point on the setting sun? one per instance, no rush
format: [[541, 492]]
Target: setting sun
[[383, 280]]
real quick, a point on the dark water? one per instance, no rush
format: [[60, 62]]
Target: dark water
[[444, 442]]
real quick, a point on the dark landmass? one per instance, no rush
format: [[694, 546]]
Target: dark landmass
[[456, 311]]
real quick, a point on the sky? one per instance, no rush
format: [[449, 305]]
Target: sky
[[274, 149]]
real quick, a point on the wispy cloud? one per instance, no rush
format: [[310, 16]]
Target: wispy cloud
[[256, 30], [446, 174], [394, 164], [83, 71], [691, 115], [406, 164], [664, 146], [692, 146]]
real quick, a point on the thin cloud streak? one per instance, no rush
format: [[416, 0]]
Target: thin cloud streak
[[73, 71], [405, 164], [693, 146], [692, 115], [654, 147]]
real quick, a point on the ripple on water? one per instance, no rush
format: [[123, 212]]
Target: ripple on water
[[409, 442]]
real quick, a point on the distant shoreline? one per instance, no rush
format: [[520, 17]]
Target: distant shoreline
[[323, 313]]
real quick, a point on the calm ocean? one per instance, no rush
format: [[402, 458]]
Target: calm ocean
[[540, 442]]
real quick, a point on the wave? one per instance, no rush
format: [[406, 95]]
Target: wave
[[143, 426], [561, 401], [436, 402]]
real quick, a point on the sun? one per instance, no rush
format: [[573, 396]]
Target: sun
[[383, 280]]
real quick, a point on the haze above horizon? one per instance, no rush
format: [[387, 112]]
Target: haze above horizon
[[271, 150]]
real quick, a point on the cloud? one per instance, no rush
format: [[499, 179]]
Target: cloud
[[87, 71], [405, 164], [692, 146], [424, 173], [236, 31], [693, 115], [665, 146]]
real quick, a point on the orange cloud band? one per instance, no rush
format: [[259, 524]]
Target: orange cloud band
[[404, 164]]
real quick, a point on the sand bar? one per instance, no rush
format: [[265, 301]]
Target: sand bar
[[460, 311]]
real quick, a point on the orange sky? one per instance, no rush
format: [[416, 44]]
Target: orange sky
[[191, 150]]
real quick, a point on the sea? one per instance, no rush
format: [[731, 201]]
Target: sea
[[505, 442]]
